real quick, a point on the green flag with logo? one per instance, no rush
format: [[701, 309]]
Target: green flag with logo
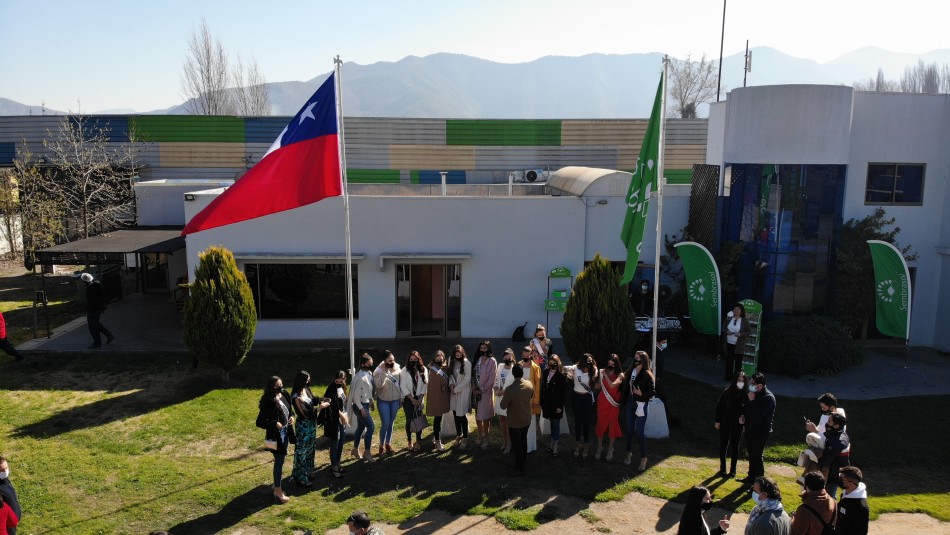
[[641, 183], [702, 287], [891, 289]]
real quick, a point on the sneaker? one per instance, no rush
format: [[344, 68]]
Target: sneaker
[[610, 455], [439, 446], [356, 452], [584, 452], [369, 457], [628, 459], [577, 451]]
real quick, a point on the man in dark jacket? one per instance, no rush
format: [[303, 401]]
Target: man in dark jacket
[[817, 508], [8, 492], [853, 509], [95, 304], [833, 458], [759, 413]]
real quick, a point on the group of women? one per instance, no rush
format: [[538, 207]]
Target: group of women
[[459, 385]]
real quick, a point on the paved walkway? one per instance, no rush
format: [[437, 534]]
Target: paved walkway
[[149, 323]]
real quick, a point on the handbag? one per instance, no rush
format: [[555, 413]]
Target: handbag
[[270, 445], [419, 421]]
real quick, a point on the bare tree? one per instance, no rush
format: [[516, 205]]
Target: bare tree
[[206, 74], [40, 211], [250, 89], [9, 211], [691, 83], [89, 177], [879, 83], [921, 78]]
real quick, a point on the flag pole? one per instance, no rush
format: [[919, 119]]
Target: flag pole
[[337, 63], [659, 215]]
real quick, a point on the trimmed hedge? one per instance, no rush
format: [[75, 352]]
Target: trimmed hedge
[[800, 345]]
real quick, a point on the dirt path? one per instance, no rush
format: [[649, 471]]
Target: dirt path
[[634, 514]]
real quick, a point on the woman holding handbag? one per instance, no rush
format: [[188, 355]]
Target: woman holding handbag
[[438, 396], [414, 383], [277, 419], [334, 420]]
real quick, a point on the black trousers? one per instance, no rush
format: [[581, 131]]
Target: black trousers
[[756, 447], [7, 347], [519, 445], [729, 443], [733, 362], [95, 327]]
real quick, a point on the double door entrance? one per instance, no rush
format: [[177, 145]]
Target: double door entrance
[[428, 300]]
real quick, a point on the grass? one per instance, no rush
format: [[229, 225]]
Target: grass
[[133, 443], [16, 302]]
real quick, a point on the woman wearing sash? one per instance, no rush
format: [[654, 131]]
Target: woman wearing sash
[[552, 399], [608, 407], [503, 379], [388, 399], [438, 394], [542, 344], [532, 373], [414, 381], [642, 388], [460, 379], [483, 382], [583, 377]]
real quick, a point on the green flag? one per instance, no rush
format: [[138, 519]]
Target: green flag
[[642, 182], [891, 289], [702, 284]]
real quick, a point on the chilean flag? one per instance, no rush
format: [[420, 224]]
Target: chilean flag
[[300, 168]]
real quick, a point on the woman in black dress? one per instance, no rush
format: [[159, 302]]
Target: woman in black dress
[[693, 521], [731, 405], [553, 392], [276, 417], [334, 420]]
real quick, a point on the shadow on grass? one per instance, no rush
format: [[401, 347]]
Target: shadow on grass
[[233, 512]]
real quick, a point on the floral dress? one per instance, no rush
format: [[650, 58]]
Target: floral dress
[[306, 430]]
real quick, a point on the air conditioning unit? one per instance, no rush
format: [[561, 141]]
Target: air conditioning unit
[[529, 175]]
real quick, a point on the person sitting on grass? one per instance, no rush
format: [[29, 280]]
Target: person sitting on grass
[[359, 524]]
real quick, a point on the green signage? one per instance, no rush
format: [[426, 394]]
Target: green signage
[[560, 273], [555, 305]]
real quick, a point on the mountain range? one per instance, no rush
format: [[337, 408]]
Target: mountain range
[[594, 86]]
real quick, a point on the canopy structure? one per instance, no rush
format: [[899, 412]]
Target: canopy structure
[[580, 181], [111, 247]]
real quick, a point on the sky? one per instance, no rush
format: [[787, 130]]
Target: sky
[[97, 55]]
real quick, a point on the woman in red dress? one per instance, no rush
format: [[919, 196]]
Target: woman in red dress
[[608, 407]]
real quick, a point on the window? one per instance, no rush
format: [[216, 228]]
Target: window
[[301, 291], [895, 183]]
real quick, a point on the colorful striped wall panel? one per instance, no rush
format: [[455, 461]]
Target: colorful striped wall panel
[[430, 157], [497, 132], [190, 128], [211, 154]]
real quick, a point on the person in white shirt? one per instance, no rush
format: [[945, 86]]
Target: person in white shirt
[[503, 379], [460, 379], [361, 397], [414, 381], [583, 377], [388, 399]]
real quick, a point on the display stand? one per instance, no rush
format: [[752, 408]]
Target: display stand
[[753, 313], [556, 299]]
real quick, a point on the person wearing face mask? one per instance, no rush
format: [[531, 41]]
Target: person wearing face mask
[[438, 396], [532, 374], [335, 420], [693, 520], [553, 391], [758, 417], [608, 407], [768, 517], [642, 301], [853, 512], [10, 499], [362, 394], [388, 399], [276, 417], [414, 383], [730, 407], [306, 409], [833, 457], [503, 379], [818, 509], [828, 405], [737, 331], [460, 379], [640, 389], [583, 377], [483, 381], [542, 344]]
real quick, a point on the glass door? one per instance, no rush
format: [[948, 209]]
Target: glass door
[[428, 300]]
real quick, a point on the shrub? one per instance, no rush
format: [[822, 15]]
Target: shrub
[[220, 317], [598, 318], [798, 345]]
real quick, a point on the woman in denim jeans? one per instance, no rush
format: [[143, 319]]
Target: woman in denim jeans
[[361, 398], [388, 399], [642, 388], [334, 421]]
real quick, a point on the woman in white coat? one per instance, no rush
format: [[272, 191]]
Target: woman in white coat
[[460, 380], [503, 379]]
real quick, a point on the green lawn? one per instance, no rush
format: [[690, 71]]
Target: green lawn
[[16, 303], [130, 443]]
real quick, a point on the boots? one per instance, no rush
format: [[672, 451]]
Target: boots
[[554, 448], [610, 455], [628, 459], [600, 448]]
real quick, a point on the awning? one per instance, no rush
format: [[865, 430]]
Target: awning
[[423, 257], [111, 247]]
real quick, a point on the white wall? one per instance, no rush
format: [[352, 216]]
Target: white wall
[[159, 202], [514, 242]]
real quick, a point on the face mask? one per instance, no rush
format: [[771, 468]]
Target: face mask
[[5, 474], [458, 357], [706, 506], [663, 346], [278, 389], [644, 288], [740, 385], [509, 362], [610, 368], [756, 498], [390, 364], [637, 362], [439, 362], [753, 388]]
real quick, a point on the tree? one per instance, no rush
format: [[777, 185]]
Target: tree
[[598, 318], [854, 271], [919, 78], [211, 85], [691, 84], [90, 178], [220, 316], [39, 210]]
